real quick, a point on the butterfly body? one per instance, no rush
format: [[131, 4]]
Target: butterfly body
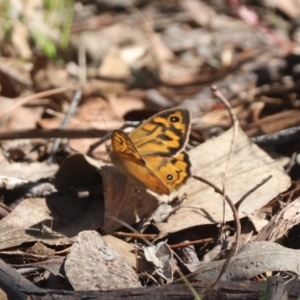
[[153, 152]]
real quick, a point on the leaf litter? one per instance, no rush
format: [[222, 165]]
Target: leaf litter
[[142, 60]]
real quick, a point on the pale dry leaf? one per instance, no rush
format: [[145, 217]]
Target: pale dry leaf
[[53, 265], [25, 117], [134, 53], [190, 257], [257, 222], [129, 252], [29, 171], [253, 259], [20, 38], [281, 223], [125, 249], [10, 183], [92, 265], [162, 257], [249, 167], [199, 11], [115, 67], [289, 7], [123, 104], [97, 43], [162, 212]]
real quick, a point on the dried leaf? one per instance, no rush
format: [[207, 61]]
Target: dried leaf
[[124, 201], [253, 259], [92, 265], [161, 256], [29, 171], [66, 215], [249, 167]]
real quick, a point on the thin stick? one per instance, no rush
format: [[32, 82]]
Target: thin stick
[[15, 75], [33, 97], [229, 201], [238, 204], [237, 227], [195, 242], [82, 60], [235, 246], [37, 133], [235, 123], [107, 136], [277, 138], [71, 111]]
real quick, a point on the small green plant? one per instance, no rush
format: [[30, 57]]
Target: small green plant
[[48, 36]]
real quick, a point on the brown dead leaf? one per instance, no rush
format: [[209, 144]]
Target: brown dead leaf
[[25, 117], [78, 172], [65, 215], [124, 200], [94, 113], [46, 76], [3, 295], [40, 249], [275, 122], [53, 265], [7, 88]]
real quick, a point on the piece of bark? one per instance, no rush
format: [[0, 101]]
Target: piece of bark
[[276, 289]]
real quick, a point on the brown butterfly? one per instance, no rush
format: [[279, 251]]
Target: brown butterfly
[[153, 152]]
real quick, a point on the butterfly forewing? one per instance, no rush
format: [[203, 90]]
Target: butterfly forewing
[[127, 159], [123, 148], [164, 133]]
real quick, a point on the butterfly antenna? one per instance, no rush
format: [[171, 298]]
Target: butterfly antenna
[[107, 147], [100, 142]]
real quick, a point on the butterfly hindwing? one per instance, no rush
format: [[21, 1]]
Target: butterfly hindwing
[[173, 171]]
